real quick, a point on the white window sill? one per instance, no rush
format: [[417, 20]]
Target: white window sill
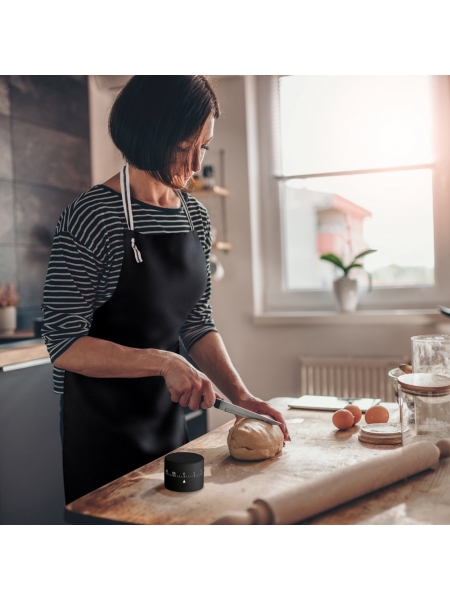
[[429, 316]]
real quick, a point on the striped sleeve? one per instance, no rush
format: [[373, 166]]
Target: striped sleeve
[[200, 320], [72, 282]]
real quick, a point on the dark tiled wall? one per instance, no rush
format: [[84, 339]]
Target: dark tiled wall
[[44, 165]]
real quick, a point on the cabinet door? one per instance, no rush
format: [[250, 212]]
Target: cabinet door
[[31, 480]]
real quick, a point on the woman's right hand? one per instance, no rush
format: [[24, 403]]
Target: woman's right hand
[[187, 386]]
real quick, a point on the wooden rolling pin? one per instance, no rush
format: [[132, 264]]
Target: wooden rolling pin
[[310, 499]]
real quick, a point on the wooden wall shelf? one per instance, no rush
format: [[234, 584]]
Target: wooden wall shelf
[[223, 245], [216, 190], [210, 196]]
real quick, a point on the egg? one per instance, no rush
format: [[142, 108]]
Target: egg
[[377, 414], [343, 419], [356, 412], [444, 448]]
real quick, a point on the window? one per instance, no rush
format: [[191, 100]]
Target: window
[[350, 163]]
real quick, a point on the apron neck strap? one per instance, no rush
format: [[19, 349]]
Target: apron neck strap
[[186, 210], [126, 199], [126, 196]]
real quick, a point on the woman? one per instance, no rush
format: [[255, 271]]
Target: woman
[[128, 276]]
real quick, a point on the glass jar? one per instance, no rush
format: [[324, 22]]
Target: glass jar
[[431, 354], [393, 375], [424, 405]]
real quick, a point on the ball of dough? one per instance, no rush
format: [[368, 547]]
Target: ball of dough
[[251, 439]]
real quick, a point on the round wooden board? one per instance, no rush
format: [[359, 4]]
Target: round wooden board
[[381, 433], [388, 441]]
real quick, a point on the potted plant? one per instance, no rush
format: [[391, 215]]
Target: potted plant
[[346, 289], [9, 300]]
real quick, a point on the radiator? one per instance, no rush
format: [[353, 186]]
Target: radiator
[[349, 376]]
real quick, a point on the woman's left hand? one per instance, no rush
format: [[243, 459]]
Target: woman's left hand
[[263, 408]]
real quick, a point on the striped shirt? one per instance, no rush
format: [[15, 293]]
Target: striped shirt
[[86, 260]]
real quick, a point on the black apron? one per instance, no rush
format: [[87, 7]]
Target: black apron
[[113, 425]]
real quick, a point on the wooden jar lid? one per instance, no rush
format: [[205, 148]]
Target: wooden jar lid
[[427, 384]]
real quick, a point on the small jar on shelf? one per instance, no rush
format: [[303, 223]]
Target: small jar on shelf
[[208, 177]]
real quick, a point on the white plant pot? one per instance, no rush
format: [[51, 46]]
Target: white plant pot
[[8, 319], [346, 292]]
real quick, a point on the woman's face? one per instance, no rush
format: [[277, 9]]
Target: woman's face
[[190, 154]]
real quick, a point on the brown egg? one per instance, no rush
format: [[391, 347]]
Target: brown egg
[[377, 414], [343, 419], [356, 412]]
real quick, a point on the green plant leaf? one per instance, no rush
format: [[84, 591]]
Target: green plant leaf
[[353, 265], [332, 258], [365, 253]]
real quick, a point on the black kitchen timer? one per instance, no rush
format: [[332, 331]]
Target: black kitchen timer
[[183, 472]]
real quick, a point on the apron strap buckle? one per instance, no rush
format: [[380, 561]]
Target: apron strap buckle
[[137, 254]]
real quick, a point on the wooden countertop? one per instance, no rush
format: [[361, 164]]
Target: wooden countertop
[[21, 352], [317, 448]]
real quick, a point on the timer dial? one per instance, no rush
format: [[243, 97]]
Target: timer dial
[[183, 471]]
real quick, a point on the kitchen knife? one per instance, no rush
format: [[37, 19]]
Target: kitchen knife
[[242, 412]]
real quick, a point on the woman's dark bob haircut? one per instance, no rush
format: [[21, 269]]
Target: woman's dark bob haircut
[[154, 113]]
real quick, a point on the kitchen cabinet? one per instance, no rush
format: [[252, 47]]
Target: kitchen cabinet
[[31, 482]]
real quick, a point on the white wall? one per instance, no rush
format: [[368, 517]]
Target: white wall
[[105, 158], [265, 356]]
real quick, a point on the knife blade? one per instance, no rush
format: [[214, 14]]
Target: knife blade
[[242, 412]]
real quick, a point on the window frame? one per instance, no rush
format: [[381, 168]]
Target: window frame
[[271, 296]]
